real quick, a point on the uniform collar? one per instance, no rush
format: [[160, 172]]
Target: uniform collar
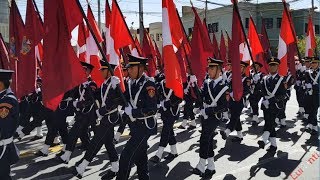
[[216, 81], [3, 92], [273, 76], [141, 78]]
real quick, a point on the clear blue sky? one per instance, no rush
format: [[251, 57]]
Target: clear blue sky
[[152, 8]]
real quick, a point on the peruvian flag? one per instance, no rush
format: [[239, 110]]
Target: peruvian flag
[[82, 38], [92, 51], [149, 52], [310, 39], [137, 44], [172, 39], [223, 49], [286, 37]]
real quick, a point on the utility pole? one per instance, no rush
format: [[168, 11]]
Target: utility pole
[[99, 15], [206, 9], [141, 21]]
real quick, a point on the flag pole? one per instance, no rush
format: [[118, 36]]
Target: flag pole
[[235, 4], [99, 47]]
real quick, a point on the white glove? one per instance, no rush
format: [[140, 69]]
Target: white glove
[[158, 115], [38, 90], [156, 72], [231, 94], [128, 111], [196, 110], [186, 91], [256, 78], [203, 113], [310, 92], [298, 83], [298, 67], [74, 103], [303, 68], [224, 76], [193, 79], [98, 114], [162, 105], [71, 123], [114, 81], [308, 86], [226, 117], [266, 103]]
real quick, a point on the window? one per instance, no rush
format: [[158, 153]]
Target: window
[[268, 23], [316, 29], [279, 22], [214, 27], [159, 37], [189, 31], [247, 23]]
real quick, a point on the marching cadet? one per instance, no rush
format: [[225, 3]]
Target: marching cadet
[[312, 88], [60, 125], [274, 95], [299, 87], [108, 116], [141, 94], [189, 98], [306, 68], [9, 114], [288, 83], [255, 92], [170, 105], [213, 97], [236, 107], [25, 115], [37, 112], [226, 77], [85, 114]]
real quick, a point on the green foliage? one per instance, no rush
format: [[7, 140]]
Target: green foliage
[[302, 44]]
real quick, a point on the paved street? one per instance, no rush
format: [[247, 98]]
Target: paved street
[[296, 156]]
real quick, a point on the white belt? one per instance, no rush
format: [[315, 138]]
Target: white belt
[[145, 121], [112, 111], [4, 143]]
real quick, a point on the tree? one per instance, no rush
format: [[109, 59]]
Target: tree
[[302, 45]]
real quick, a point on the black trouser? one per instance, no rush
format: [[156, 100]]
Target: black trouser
[[300, 96], [103, 135], [80, 130], [314, 105], [167, 134], [206, 139], [254, 103], [60, 125], [235, 109], [282, 112], [39, 113], [188, 110], [25, 113], [135, 152], [270, 115], [123, 124], [4, 167]]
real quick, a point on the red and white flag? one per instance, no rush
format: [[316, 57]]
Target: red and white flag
[[310, 39], [172, 35], [286, 37]]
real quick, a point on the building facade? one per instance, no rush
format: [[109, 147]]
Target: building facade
[[4, 19]]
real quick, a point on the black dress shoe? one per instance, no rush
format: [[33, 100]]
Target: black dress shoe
[[261, 144], [209, 173], [78, 163], [254, 123], [60, 154], [115, 141], [170, 156], [283, 126], [192, 127], [197, 172], [155, 159], [40, 153], [236, 139], [109, 175], [54, 144], [223, 135], [272, 149], [36, 138], [181, 127], [58, 158], [314, 132], [76, 174]]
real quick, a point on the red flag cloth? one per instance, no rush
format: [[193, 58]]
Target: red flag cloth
[[237, 40], [223, 49], [310, 39], [182, 61], [215, 46], [92, 51], [16, 28], [119, 30], [254, 41], [61, 68], [172, 38], [82, 37], [149, 53], [229, 47], [264, 39], [292, 52], [137, 44], [159, 57], [201, 49], [286, 37], [27, 63], [4, 54]]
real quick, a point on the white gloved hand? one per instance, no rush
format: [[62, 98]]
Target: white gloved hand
[[98, 114], [114, 81], [186, 91], [162, 105], [128, 111], [196, 110], [266, 103], [310, 92], [193, 79], [303, 69], [298, 83], [74, 103], [256, 78], [38, 90], [231, 94], [308, 86], [203, 113], [224, 76], [298, 67]]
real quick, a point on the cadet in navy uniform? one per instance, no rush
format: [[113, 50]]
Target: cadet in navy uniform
[[299, 87], [9, 114], [108, 116], [59, 124], [288, 82], [236, 107], [189, 97], [255, 92], [274, 95], [170, 105], [312, 88], [213, 97], [85, 114], [141, 94]]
